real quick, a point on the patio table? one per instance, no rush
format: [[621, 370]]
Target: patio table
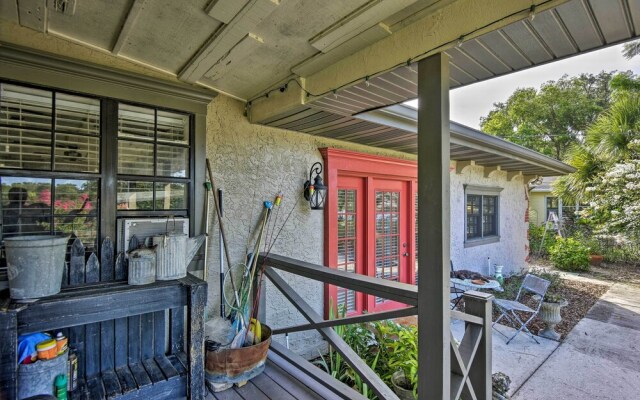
[[467, 284]]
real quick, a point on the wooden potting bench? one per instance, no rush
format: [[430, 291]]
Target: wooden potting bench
[[133, 342]]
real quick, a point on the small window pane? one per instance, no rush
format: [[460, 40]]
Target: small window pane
[[135, 195], [173, 161], [136, 122], [171, 196], [76, 209], [26, 206], [173, 127], [135, 158], [75, 114], [77, 153], [25, 127]]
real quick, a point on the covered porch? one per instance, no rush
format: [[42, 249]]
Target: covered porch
[[263, 85]]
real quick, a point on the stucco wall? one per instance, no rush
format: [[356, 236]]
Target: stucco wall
[[510, 250], [251, 163]]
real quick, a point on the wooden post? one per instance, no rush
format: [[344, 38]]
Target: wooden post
[[480, 304], [8, 355], [434, 359], [197, 302]]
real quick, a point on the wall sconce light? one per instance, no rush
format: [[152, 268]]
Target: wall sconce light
[[315, 193]]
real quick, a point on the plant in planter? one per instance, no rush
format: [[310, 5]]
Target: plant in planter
[[403, 360], [550, 314], [500, 383]]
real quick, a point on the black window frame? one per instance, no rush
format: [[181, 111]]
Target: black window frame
[[479, 194], [108, 164]]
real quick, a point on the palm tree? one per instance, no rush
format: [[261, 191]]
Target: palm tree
[[631, 49]]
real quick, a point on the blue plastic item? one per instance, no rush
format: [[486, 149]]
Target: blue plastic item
[[27, 344]]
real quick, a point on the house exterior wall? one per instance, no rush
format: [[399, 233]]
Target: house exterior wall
[[251, 163], [538, 207], [510, 250]]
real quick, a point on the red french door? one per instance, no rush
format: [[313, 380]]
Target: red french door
[[388, 237]]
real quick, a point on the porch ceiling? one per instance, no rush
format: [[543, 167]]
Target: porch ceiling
[[396, 128], [575, 27]]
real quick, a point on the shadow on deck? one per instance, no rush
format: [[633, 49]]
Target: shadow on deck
[[280, 380]]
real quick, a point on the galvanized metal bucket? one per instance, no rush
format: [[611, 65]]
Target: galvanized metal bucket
[[237, 365], [142, 266], [38, 378], [35, 265]]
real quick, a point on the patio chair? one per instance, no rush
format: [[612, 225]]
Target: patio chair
[[455, 290], [508, 308]]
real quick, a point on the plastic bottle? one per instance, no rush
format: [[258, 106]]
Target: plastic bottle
[[61, 387]]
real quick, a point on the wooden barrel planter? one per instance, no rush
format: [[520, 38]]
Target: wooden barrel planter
[[236, 366]]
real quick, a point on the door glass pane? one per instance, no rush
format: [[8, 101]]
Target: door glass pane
[[79, 115], [173, 127], [77, 153], [76, 209], [135, 158], [136, 122], [387, 236], [26, 206], [347, 214], [173, 161], [416, 238], [135, 195], [25, 127], [171, 196]]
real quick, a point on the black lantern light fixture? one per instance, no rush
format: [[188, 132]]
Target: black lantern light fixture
[[316, 192]]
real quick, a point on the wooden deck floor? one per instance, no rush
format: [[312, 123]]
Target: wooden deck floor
[[279, 381]]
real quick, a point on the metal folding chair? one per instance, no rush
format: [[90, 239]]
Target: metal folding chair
[[508, 308], [455, 290]]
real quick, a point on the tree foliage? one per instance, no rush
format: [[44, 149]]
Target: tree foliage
[[607, 176], [552, 119]]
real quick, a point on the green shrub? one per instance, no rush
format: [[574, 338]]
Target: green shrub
[[569, 255], [536, 233]]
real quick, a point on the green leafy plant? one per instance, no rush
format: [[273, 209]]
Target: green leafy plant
[[570, 255], [536, 244], [404, 355]]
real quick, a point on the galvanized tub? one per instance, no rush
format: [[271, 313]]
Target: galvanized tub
[[237, 365], [35, 265], [38, 378], [142, 266]]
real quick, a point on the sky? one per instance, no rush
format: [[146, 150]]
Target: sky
[[471, 102]]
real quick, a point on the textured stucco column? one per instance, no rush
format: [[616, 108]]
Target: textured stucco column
[[434, 369]]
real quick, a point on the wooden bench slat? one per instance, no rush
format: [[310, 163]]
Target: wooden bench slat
[[121, 335], [127, 382], [146, 336], [106, 260], [159, 333], [95, 388], [153, 370], [228, 394], [169, 371], [177, 329], [271, 388], [133, 354], [92, 354], [177, 365], [106, 346], [140, 375], [250, 391], [111, 384]]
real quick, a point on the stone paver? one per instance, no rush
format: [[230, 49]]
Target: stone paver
[[599, 359]]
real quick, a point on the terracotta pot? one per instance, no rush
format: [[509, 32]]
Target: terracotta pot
[[404, 394], [595, 259], [550, 314]]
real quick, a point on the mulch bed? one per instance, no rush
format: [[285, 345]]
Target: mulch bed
[[581, 297]]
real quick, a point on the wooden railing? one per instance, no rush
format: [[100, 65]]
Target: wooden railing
[[470, 361]]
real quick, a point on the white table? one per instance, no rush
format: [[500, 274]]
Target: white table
[[466, 284]]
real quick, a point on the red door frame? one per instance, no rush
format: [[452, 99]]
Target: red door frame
[[339, 162]]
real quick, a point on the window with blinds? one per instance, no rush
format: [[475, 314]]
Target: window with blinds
[[347, 239], [153, 158]]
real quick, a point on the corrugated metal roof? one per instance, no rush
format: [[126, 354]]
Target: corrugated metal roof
[[575, 27]]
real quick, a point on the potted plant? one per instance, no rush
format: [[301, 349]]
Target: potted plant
[[404, 360], [595, 259], [550, 314]]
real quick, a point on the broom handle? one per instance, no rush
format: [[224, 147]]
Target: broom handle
[[224, 238]]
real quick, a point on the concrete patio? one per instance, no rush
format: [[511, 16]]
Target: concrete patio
[[598, 359]]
